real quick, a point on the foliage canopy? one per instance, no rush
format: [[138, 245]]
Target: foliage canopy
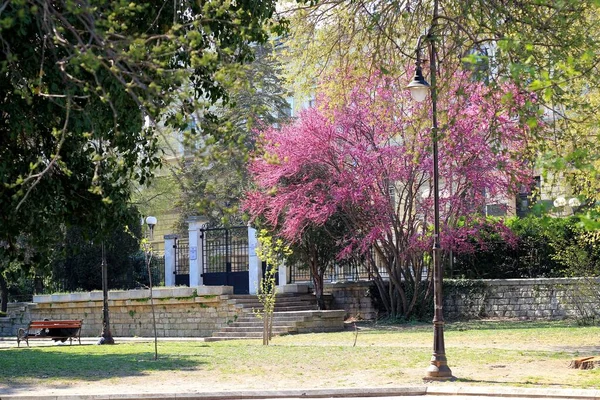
[[80, 80]]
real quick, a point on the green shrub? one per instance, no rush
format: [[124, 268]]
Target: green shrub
[[544, 247]]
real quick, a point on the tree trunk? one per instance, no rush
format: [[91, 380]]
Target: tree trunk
[[265, 329], [317, 277], [318, 281], [3, 294], [380, 284], [271, 317]]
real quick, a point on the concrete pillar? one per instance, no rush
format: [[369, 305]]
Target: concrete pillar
[[254, 263], [283, 275], [170, 255], [195, 240]]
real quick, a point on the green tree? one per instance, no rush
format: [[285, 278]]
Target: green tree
[[548, 47], [272, 251], [212, 177], [318, 248], [76, 266], [78, 79]]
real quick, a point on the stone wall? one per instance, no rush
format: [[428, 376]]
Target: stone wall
[[553, 298], [180, 311], [356, 298], [542, 298], [198, 312], [18, 315]]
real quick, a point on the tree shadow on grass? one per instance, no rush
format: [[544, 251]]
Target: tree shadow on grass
[[28, 367]]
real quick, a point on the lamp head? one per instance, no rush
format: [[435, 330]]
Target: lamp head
[[151, 221], [560, 202], [574, 202], [419, 87]]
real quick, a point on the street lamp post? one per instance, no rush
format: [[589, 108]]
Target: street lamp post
[[151, 222], [106, 335], [438, 369]]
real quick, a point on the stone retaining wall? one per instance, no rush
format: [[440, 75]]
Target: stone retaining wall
[[198, 312], [552, 298], [18, 315], [542, 298], [547, 298], [180, 312], [318, 321], [357, 298]]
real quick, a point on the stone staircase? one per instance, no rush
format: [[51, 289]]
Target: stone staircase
[[294, 313]]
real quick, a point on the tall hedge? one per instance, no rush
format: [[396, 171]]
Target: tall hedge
[[542, 247]]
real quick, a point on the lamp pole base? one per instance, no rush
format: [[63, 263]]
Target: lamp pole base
[[106, 337], [438, 372]]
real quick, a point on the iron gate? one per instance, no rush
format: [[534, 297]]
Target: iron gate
[[225, 257], [182, 263]]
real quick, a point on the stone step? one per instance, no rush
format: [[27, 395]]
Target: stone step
[[298, 315], [220, 339], [293, 308], [257, 303], [276, 315], [258, 321], [237, 334], [245, 324], [281, 307], [258, 328], [255, 320], [293, 313], [253, 315], [311, 306], [253, 333], [280, 297]]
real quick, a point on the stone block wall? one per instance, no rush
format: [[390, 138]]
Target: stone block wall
[[552, 298], [320, 321], [198, 312], [356, 298], [180, 312], [18, 315], [541, 298]]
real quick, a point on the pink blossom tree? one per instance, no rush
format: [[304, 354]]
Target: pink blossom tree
[[366, 160]]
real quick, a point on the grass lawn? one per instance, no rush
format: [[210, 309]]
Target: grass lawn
[[532, 354]]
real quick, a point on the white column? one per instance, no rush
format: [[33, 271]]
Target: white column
[[170, 255], [283, 275], [195, 240], [254, 263]]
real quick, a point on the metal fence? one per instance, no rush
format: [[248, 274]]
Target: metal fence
[[157, 268], [353, 271], [299, 272], [182, 257], [133, 277], [225, 249]]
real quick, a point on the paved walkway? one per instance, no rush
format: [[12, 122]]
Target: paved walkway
[[423, 392]]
